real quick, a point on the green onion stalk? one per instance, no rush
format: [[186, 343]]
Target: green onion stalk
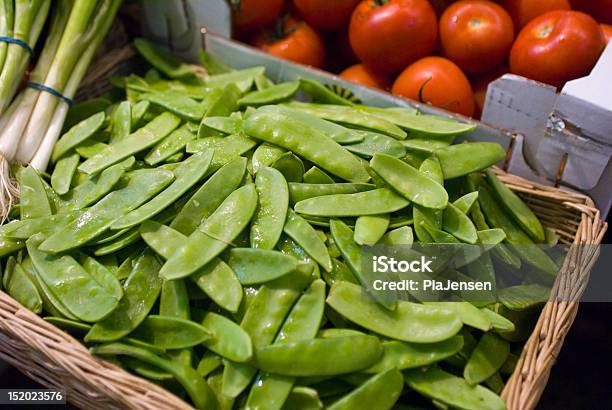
[[21, 20], [33, 122]]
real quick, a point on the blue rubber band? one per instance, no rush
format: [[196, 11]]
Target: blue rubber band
[[42, 87], [13, 40]]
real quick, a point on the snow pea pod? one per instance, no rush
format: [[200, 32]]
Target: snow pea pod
[[103, 276], [199, 392], [270, 95], [144, 369], [189, 173], [408, 181], [169, 332], [209, 363], [208, 197], [469, 314], [316, 176], [403, 355], [164, 61], [242, 79], [338, 133], [430, 125], [380, 392], [8, 245], [487, 357], [265, 155], [262, 82], [21, 288], [304, 235], [46, 225], [376, 143], [319, 357], [255, 266], [369, 229], [82, 295], [77, 134], [176, 103], [299, 192], [458, 224], [226, 148], [451, 390], [351, 252], [269, 219], [290, 166], [213, 235], [227, 125], [373, 202], [409, 322], [321, 94], [169, 146], [465, 203], [216, 279], [399, 236], [130, 237], [462, 159], [515, 206], [277, 126], [271, 391], [141, 139], [349, 116], [121, 121], [424, 146], [529, 252], [63, 172], [96, 186], [33, 200], [303, 398], [227, 338], [9, 266], [262, 320], [140, 291], [498, 322], [141, 186]]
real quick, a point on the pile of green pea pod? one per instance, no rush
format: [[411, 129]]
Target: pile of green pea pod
[[205, 233]]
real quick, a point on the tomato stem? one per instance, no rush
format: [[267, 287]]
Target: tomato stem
[[422, 88]]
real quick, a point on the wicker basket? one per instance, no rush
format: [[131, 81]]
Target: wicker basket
[[57, 360]]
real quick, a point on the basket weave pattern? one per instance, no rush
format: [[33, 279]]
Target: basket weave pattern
[[57, 360]]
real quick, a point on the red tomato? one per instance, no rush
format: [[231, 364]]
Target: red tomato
[[523, 11], [476, 35], [607, 30], [325, 14], [436, 81], [249, 15], [481, 83], [557, 47], [601, 10], [389, 37], [297, 42], [359, 74]]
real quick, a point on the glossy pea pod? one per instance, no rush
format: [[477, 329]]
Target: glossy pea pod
[[142, 139], [409, 322], [141, 186], [33, 200], [299, 192], [174, 302], [270, 95], [379, 392], [176, 103], [196, 387], [321, 94], [189, 173], [451, 390], [347, 115], [227, 338], [317, 176], [226, 148], [270, 391], [486, 359], [209, 196], [374, 143], [213, 235], [256, 266], [21, 288], [371, 202], [63, 173], [265, 154], [276, 125], [516, 207], [304, 235], [77, 134], [140, 291], [82, 295], [463, 159], [169, 332], [216, 278], [369, 229], [290, 166], [262, 320], [269, 219], [171, 145], [121, 121]]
